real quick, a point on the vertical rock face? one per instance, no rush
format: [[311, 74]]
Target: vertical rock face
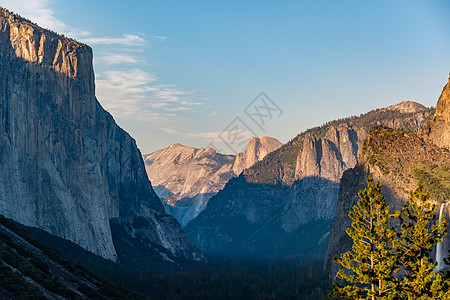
[[66, 166], [399, 160], [289, 197], [327, 157], [186, 178], [256, 150], [437, 130]]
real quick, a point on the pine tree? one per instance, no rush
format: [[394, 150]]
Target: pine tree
[[371, 264], [447, 263], [419, 233]]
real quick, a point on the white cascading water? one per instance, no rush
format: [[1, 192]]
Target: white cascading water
[[439, 257]]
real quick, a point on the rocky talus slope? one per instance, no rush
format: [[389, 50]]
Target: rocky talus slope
[[66, 166], [185, 178], [285, 203]]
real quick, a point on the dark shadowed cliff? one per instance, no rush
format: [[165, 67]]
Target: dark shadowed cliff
[[399, 160], [66, 166], [285, 204]]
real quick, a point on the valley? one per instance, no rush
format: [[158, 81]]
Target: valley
[[84, 214]]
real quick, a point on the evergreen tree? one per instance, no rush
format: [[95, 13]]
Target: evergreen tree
[[371, 264], [447, 263], [419, 233]]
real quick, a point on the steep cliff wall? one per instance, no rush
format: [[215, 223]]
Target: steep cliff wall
[[399, 160], [66, 166], [256, 150], [437, 130], [289, 198]]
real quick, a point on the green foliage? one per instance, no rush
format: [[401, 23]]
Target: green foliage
[[371, 262], [392, 264], [222, 278], [17, 286], [435, 178], [279, 165], [31, 263], [416, 238]]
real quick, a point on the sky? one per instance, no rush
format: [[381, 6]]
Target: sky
[[213, 73]]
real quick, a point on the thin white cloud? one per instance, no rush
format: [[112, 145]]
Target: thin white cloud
[[132, 94], [43, 13], [137, 95], [126, 39], [160, 37], [213, 136], [40, 12], [170, 130], [79, 34], [117, 58]]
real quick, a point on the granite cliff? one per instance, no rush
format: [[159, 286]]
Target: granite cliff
[[399, 160], [185, 178], [66, 166], [437, 131], [285, 203]]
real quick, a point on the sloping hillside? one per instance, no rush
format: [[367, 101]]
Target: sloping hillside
[[31, 270], [399, 160], [286, 203]]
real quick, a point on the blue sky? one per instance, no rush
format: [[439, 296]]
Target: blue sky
[[183, 71]]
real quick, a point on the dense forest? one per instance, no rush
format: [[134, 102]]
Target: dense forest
[[220, 278]]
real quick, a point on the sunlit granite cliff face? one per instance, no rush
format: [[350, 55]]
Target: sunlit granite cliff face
[[437, 130], [399, 160], [65, 165], [285, 203], [186, 178]]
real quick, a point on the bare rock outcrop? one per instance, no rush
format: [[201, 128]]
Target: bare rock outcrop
[[65, 165], [186, 178], [399, 160], [257, 149], [285, 203], [437, 130]]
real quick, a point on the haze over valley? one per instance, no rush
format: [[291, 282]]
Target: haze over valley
[[224, 151]]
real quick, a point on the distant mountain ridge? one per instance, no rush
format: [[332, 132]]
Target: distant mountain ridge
[[399, 160], [186, 178], [344, 136], [289, 197]]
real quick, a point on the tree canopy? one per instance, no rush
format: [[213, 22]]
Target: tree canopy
[[391, 252]]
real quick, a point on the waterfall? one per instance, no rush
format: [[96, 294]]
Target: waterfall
[[439, 257]]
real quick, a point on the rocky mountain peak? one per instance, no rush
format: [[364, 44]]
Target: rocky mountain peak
[[186, 177], [400, 160], [257, 149], [406, 107], [287, 201], [437, 130]]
